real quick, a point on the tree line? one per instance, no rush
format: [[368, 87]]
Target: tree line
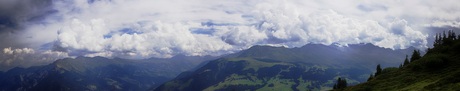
[[443, 42]]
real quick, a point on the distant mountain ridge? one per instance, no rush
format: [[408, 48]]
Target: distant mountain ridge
[[310, 67], [98, 74], [315, 53]]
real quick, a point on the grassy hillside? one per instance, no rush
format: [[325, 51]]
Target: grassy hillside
[[260, 75], [437, 70]]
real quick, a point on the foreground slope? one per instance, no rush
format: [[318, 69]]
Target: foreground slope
[[311, 67], [437, 70], [96, 74]]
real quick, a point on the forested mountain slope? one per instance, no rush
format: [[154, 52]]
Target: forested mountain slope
[[437, 70]]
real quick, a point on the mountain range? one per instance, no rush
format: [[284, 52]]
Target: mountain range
[[98, 74], [310, 67]]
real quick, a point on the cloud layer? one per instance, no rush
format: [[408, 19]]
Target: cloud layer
[[164, 28], [26, 57]]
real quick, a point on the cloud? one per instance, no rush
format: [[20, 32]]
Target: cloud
[[16, 15], [9, 51], [164, 28], [83, 36], [295, 28], [154, 39], [455, 24], [26, 57]]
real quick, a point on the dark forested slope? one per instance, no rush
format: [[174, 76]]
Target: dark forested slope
[[437, 70]]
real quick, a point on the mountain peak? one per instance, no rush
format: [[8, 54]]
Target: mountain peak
[[264, 51], [257, 47]]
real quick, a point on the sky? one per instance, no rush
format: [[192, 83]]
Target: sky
[[36, 32]]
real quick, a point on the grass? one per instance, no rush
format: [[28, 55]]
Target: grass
[[177, 83], [235, 79], [256, 64], [277, 85], [303, 84]]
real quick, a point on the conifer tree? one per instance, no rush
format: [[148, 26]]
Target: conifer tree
[[453, 35], [341, 83], [444, 35], [344, 83], [335, 86], [415, 56], [437, 40], [406, 61], [379, 70]]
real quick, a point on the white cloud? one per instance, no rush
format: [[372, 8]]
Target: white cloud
[[455, 24], [26, 57], [154, 39], [18, 51], [80, 36], [103, 54], [163, 28]]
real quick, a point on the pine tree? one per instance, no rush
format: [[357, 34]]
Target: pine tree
[[444, 35], [406, 61], [415, 56], [344, 83], [379, 70], [341, 83], [437, 40], [337, 85], [451, 35]]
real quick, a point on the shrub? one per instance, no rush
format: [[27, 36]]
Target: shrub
[[435, 61], [389, 69]]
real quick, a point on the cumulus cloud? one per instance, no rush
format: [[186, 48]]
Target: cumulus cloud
[[164, 28], [9, 51], [26, 57], [152, 39]]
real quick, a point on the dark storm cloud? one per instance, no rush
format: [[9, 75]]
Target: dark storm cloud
[[15, 15]]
